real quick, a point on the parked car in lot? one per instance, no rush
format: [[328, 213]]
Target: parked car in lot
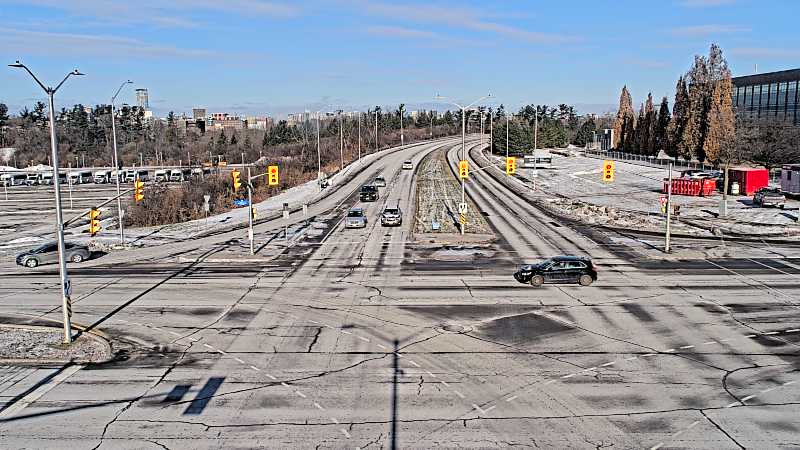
[[369, 193], [33, 179], [392, 217], [379, 181], [356, 218], [769, 197], [101, 176], [48, 253], [13, 179], [558, 269], [408, 165]]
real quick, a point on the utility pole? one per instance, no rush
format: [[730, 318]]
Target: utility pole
[[669, 207], [250, 212], [341, 143], [359, 137], [535, 131], [117, 165], [376, 130], [431, 124], [491, 131], [66, 289], [319, 156], [401, 126], [506, 140]]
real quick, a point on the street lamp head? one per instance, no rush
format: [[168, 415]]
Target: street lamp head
[[17, 64], [129, 82], [77, 72]]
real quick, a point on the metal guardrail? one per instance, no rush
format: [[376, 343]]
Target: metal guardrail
[[649, 161]]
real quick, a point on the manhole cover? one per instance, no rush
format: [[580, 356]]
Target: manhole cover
[[453, 328]]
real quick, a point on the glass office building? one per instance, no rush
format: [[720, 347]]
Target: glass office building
[[769, 96]]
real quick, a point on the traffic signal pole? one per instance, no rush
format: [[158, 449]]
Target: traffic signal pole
[[250, 212], [669, 207]]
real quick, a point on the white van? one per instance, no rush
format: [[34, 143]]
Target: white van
[[84, 176], [180, 174], [47, 178], [13, 179], [132, 174], [102, 176], [161, 175], [33, 179]]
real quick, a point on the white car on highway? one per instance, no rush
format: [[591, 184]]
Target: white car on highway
[[408, 165], [356, 218]]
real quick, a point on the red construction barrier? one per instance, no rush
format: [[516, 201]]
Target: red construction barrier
[[694, 187]]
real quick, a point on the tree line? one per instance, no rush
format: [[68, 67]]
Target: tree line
[[703, 124]]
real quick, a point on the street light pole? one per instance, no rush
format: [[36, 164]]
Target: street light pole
[[66, 290], [401, 126], [359, 137], [506, 140], [116, 163], [341, 143], [463, 138], [319, 157]]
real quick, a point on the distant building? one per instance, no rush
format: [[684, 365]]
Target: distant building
[[773, 95], [258, 123], [142, 99], [604, 139], [199, 113]]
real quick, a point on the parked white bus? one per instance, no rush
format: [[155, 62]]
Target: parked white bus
[[133, 174], [13, 179], [81, 177], [539, 160], [180, 174], [102, 176], [47, 178], [33, 179], [161, 175]]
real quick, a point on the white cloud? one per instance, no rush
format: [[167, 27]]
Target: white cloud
[[458, 17], [45, 43], [707, 30]]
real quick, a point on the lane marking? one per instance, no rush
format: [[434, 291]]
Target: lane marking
[[710, 342], [771, 333], [732, 405], [648, 354], [512, 398], [300, 394], [318, 406], [239, 360], [568, 376], [793, 330], [347, 435], [413, 363], [459, 394], [687, 346], [255, 368], [363, 338], [271, 377], [631, 358], [747, 398], [345, 332], [39, 391], [208, 346], [608, 364]]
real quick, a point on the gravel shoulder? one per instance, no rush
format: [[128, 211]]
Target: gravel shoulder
[[44, 344]]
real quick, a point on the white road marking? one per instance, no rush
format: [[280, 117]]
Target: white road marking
[[271, 377], [300, 394], [174, 333], [648, 354], [459, 394], [444, 383], [283, 383], [732, 405], [710, 342], [669, 350], [751, 335], [747, 398], [568, 376], [318, 406], [239, 360], [345, 332], [39, 391], [608, 364], [687, 346], [771, 333], [335, 420], [789, 382], [793, 330], [208, 346], [363, 338], [383, 346], [413, 363], [631, 358], [512, 398], [255, 368], [347, 435]]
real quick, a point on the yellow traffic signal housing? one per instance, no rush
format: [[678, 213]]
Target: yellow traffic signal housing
[[237, 181], [94, 221], [272, 176], [254, 212], [138, 191], [463, 169], [608, 171], [511, 165]]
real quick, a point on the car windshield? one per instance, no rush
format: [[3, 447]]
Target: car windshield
[[392, 211], [355, 213], [380, 179], [368, 189]]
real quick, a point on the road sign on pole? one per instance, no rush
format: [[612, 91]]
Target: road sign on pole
[[206, 206], [462, 208]]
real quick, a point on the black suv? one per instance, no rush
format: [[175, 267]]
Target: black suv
[[369, 193], [558, 269]]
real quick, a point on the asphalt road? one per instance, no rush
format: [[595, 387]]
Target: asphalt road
[[366, 339]]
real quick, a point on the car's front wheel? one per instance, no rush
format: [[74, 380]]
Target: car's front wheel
[[76, 258], [537, 280], [31, 262], [585, 280]]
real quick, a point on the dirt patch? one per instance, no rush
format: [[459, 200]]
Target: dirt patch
[[45, 344]]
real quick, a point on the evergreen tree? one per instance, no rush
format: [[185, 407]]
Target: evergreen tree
[[3, 123], [586, 132], [234, 141], [641, 131], [718, 145], [660, 134], [222, 142], [680, 117], [650, 118], [696, 125], [623, 126]]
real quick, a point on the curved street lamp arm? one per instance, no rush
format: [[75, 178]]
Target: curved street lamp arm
[[114, 98], [23, 66], [74, 72]]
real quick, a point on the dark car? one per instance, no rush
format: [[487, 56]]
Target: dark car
[[48, 253], [369, 193], [769, 197], [558, 269]]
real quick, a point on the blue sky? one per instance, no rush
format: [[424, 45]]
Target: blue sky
[[264, 57]]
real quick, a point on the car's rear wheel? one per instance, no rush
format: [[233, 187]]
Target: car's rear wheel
[[585, 280], [76, 258], [537, 280], [31, 262]]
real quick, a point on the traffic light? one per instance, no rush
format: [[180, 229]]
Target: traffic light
[[94, 221], [138, 190], [463, 169], [511, 165], [253, 212], [608, 171], [237, 182], [272, 176]]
